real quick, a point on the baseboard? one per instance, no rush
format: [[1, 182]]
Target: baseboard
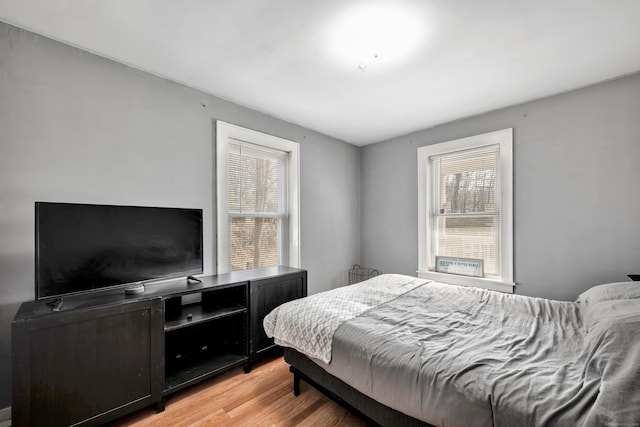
[[5, 416]]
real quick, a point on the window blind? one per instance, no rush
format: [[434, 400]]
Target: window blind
[[465, 213], [257, 205]]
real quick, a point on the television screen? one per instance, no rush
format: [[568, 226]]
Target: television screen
[[82, 247]]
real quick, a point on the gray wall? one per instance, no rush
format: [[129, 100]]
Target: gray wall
[[576, 177], [75, 127]]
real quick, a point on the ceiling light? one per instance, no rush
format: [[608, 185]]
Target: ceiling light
[[376, 34]]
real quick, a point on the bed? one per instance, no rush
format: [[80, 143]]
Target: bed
[[407, 351]]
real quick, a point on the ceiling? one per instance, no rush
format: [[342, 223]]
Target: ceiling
[[314, 63]]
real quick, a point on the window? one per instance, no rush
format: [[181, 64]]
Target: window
[[465, 207], [257, 198]]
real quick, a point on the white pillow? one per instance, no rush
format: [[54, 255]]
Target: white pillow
[[613, 316], [610, 291]]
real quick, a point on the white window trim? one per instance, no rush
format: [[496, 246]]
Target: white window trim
[[226, 132], [505, 139]]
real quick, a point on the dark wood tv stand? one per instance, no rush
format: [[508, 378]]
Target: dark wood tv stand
[[107, 354]]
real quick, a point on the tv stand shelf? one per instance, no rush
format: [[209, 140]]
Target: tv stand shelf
[[139, 348], [207, 336], [200, 368], [198, 314]]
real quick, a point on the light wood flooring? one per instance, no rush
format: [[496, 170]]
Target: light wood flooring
[[263, 397]]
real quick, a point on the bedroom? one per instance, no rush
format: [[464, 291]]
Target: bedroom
[[79, 127]]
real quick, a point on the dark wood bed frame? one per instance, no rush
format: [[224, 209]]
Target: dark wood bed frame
[[367, 408]]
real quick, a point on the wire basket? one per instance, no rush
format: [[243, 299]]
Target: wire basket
[[358, 274]]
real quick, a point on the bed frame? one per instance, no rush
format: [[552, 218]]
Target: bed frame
[[367, 408]]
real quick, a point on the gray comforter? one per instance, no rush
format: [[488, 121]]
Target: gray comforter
[[458, 356]]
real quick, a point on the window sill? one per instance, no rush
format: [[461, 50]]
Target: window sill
[[478, 282]]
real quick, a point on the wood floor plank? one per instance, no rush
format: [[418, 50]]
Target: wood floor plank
[[263, 397]]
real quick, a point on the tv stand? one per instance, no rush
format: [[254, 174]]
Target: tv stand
[[104, 355]]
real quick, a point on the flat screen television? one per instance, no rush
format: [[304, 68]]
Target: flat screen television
[[84, 248]]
